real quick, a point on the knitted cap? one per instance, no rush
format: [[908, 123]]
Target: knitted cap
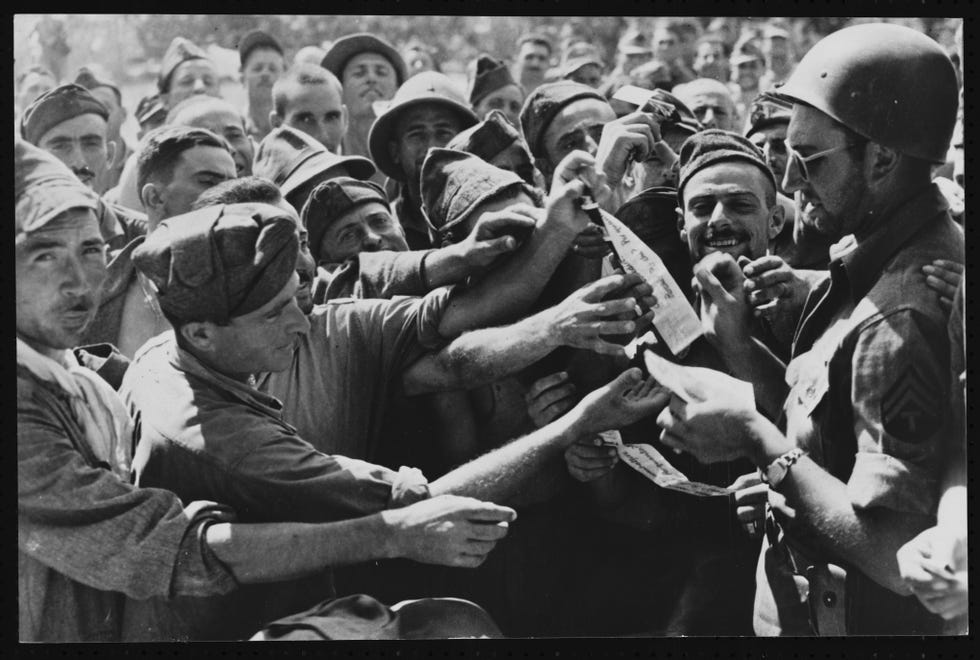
[[713, 146], [55, 106]]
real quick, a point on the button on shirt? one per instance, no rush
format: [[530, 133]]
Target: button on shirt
[[867, 386]]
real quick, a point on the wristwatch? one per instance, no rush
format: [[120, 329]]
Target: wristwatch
[[776, 471]]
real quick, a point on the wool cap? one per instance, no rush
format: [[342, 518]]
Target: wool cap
[[219, 262], [490, 138], [89, 80], [491, 74], [256, 39], [179, 51], [150, 108], [55, 106], [44, 188], [332, 199], [289, 158], [425, 87], [713, 146], [455, 183], [342, 50], [544, 103], [764, 113]]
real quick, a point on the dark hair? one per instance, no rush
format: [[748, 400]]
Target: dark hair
[[539, 39], [713, 38], [297, 75], [254, 189], [161, 148]]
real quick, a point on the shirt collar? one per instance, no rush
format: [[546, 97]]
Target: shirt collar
[[183, 360], [863, 260]]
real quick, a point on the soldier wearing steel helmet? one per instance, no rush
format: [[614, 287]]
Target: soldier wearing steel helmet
[[853, 472]]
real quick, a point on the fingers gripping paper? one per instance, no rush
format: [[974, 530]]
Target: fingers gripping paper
[[651, 464], [674, 317]]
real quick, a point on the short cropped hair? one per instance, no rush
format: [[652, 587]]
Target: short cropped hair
[[298, 75], [244, 190], [161, 148]]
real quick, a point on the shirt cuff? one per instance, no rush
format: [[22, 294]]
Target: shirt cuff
[[198, 571], [881, 480]]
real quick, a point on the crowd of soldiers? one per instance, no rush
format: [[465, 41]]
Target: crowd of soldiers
[[234, 336]]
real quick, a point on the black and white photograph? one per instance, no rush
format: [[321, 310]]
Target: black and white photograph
[[435, 326]]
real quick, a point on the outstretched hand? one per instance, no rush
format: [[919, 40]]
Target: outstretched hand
[[585, 316], [448, 529], [627, 399]]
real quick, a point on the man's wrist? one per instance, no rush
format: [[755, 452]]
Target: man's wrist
[[386, 532], [767, 443]]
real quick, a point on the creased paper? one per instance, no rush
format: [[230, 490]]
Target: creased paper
[[674, 318]]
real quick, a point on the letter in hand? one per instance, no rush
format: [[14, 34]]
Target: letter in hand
[[587, 459], [448, 530], [575, 174], [589, 313], [934, 566], [549, 398], [627, 399]]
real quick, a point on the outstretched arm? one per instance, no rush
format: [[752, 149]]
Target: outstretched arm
[[508, 291], [483, 356], [505, 473]]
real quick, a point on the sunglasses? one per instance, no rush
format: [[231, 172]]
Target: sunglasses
[[802, 162]]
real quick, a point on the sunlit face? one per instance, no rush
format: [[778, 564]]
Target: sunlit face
[[228, 123], [508, 99], [576, 126], [368, 227], [747, 74], [772, 142], [261, 71], [725, 210], [590, 74], [710, 61], [367, 77], [664, 45], [190, 78], [419, 129], [198, 169], [829, 202], [533, 59], [263, 340], [81, 144], [59, 270], [714, 110], [318, 111]]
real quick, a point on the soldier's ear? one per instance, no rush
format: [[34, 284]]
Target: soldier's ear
[[777, 218]]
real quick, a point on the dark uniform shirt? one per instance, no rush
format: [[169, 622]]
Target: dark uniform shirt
[[868, 383]]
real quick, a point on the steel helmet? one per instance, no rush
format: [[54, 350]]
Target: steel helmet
[[888, 83]]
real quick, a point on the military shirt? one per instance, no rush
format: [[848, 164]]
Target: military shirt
[[867, 388]]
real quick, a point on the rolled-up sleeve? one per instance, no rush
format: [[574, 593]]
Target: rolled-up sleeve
[[84, 522], [899, 388]]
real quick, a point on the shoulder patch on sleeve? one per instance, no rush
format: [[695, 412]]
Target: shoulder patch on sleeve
[[910, 409]]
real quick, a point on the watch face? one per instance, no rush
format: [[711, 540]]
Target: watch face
[[776, 472]]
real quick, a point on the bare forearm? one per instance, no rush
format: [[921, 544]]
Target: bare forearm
[[445, 266], [748, 359], [273, 552], [505, 474], [868, 539], [482, 356], [509, 290]]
